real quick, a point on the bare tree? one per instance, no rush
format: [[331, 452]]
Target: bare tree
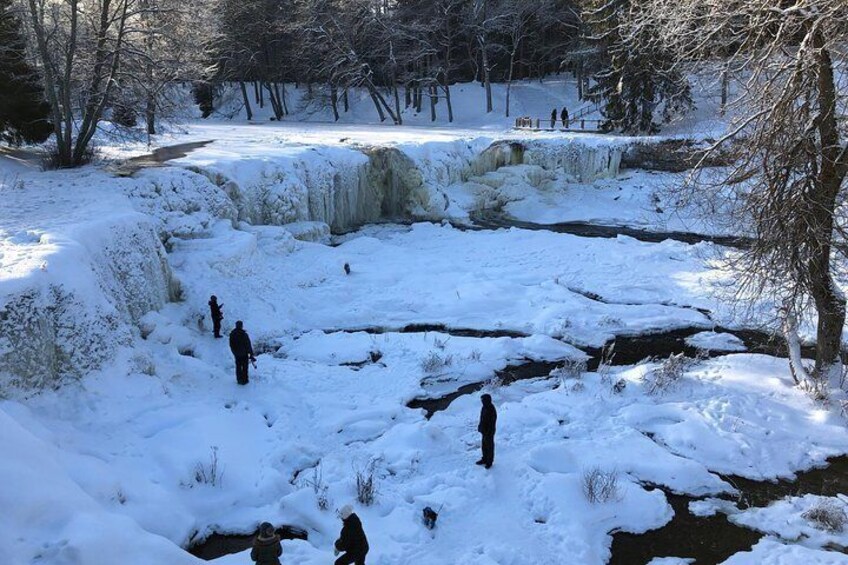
[[347, 47], [517, 25], [78, 45], [483, 22], [789, 138], [165, 42]]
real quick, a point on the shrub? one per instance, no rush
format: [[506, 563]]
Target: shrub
[[209, 473], [600, 486], [319, 487], [605, 362], [52, 161], [366, 484], [828, 515], [570, 369], [435, 362], [668, 374]]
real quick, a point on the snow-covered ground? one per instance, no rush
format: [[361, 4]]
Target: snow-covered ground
[[134, 437]]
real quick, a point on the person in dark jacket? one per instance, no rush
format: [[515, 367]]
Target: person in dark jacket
[[486, 427], [564, 117], [553, 118], [242, 350], [216, 314], [266, 546], [352, 543]]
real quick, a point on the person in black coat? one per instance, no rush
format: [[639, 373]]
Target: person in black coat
[[564, 117], [486, 427], [242, 350], [352, 543], [267, 548], [553, 118], [216, 314]]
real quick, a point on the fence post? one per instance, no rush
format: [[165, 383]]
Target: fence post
[[582, 124], [537, 124]]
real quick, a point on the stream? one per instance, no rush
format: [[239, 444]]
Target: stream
[[628, 350], [495, 220], [705, 540], [157, 157], [713, 539], [708, 539]]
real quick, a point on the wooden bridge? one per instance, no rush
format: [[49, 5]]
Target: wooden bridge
[[576, 122]]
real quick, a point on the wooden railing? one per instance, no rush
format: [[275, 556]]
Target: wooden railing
[[547, 124]]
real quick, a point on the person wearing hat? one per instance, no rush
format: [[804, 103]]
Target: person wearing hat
[[352, 543], [486, 427], [267, 548], [216, 314], [242, 350]]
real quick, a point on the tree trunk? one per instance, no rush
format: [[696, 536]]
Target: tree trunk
[[276, 106], [150, 114], [281, 98], [380, 101], [509, 79], [579, 74], [830, 303], [334, 102], [448, 101], [397, 104], [486, 75], [246, 99], [377, 104], [433, 98], [345, 101], [724, 83]]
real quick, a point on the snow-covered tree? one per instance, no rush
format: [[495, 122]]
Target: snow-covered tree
[[791, 147], [78, 45], [638, 85]]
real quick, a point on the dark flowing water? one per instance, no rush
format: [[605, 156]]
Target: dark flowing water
[[713, 539], [707, 540], [158, 157], [495, 220], [628, 350], [217, 545], [710, 539]]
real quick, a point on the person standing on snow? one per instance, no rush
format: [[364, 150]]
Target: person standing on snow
[[267, 548], [486, 427], [352, 540], [242, 350], [553, 118], [564, 117], [216, 314]]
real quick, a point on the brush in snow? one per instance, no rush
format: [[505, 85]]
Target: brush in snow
[[430, 517], [347, 269]]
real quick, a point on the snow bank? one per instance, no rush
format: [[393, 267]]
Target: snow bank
[[64, 524], [73, 281], [786, 519], [773, 552]]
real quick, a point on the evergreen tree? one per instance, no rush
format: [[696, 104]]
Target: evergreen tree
[[23, 110], [636, 78]]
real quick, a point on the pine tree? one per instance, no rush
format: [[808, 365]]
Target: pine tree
[[23, 110], [634, 81]]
